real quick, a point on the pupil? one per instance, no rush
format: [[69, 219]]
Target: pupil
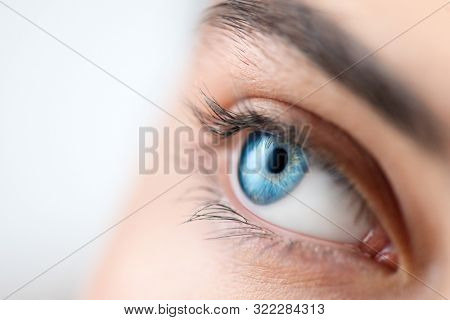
[[277, 161]]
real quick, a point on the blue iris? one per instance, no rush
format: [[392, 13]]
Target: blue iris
[[269, 168]]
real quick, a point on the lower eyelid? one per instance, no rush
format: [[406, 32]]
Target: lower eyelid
[[273, 250], [314, 218], [283, 235], [317, 246]]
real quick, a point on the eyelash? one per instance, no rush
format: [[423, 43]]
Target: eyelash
[[223, 124], [220, 211]]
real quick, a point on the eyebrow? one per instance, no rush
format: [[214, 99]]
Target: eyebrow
[[337, 53]]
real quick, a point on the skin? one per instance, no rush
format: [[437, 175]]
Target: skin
[[154, 256]]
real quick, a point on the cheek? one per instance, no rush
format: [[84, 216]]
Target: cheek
[[154, 257]]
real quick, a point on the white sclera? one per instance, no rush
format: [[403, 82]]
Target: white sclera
[[318, 207]]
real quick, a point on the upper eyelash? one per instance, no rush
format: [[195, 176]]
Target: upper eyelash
[[224, 123]]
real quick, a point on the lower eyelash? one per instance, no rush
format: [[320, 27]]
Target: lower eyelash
[[234, 226], [211, 207], [240, 227]]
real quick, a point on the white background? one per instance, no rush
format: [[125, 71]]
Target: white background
[[69, 132]]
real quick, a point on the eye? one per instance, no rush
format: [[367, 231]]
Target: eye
[[269, 169], [279, 183], [325, 188]]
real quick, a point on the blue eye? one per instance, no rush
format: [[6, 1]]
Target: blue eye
[[269, 168]]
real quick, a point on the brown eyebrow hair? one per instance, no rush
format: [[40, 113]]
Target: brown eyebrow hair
[[336, 52]]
